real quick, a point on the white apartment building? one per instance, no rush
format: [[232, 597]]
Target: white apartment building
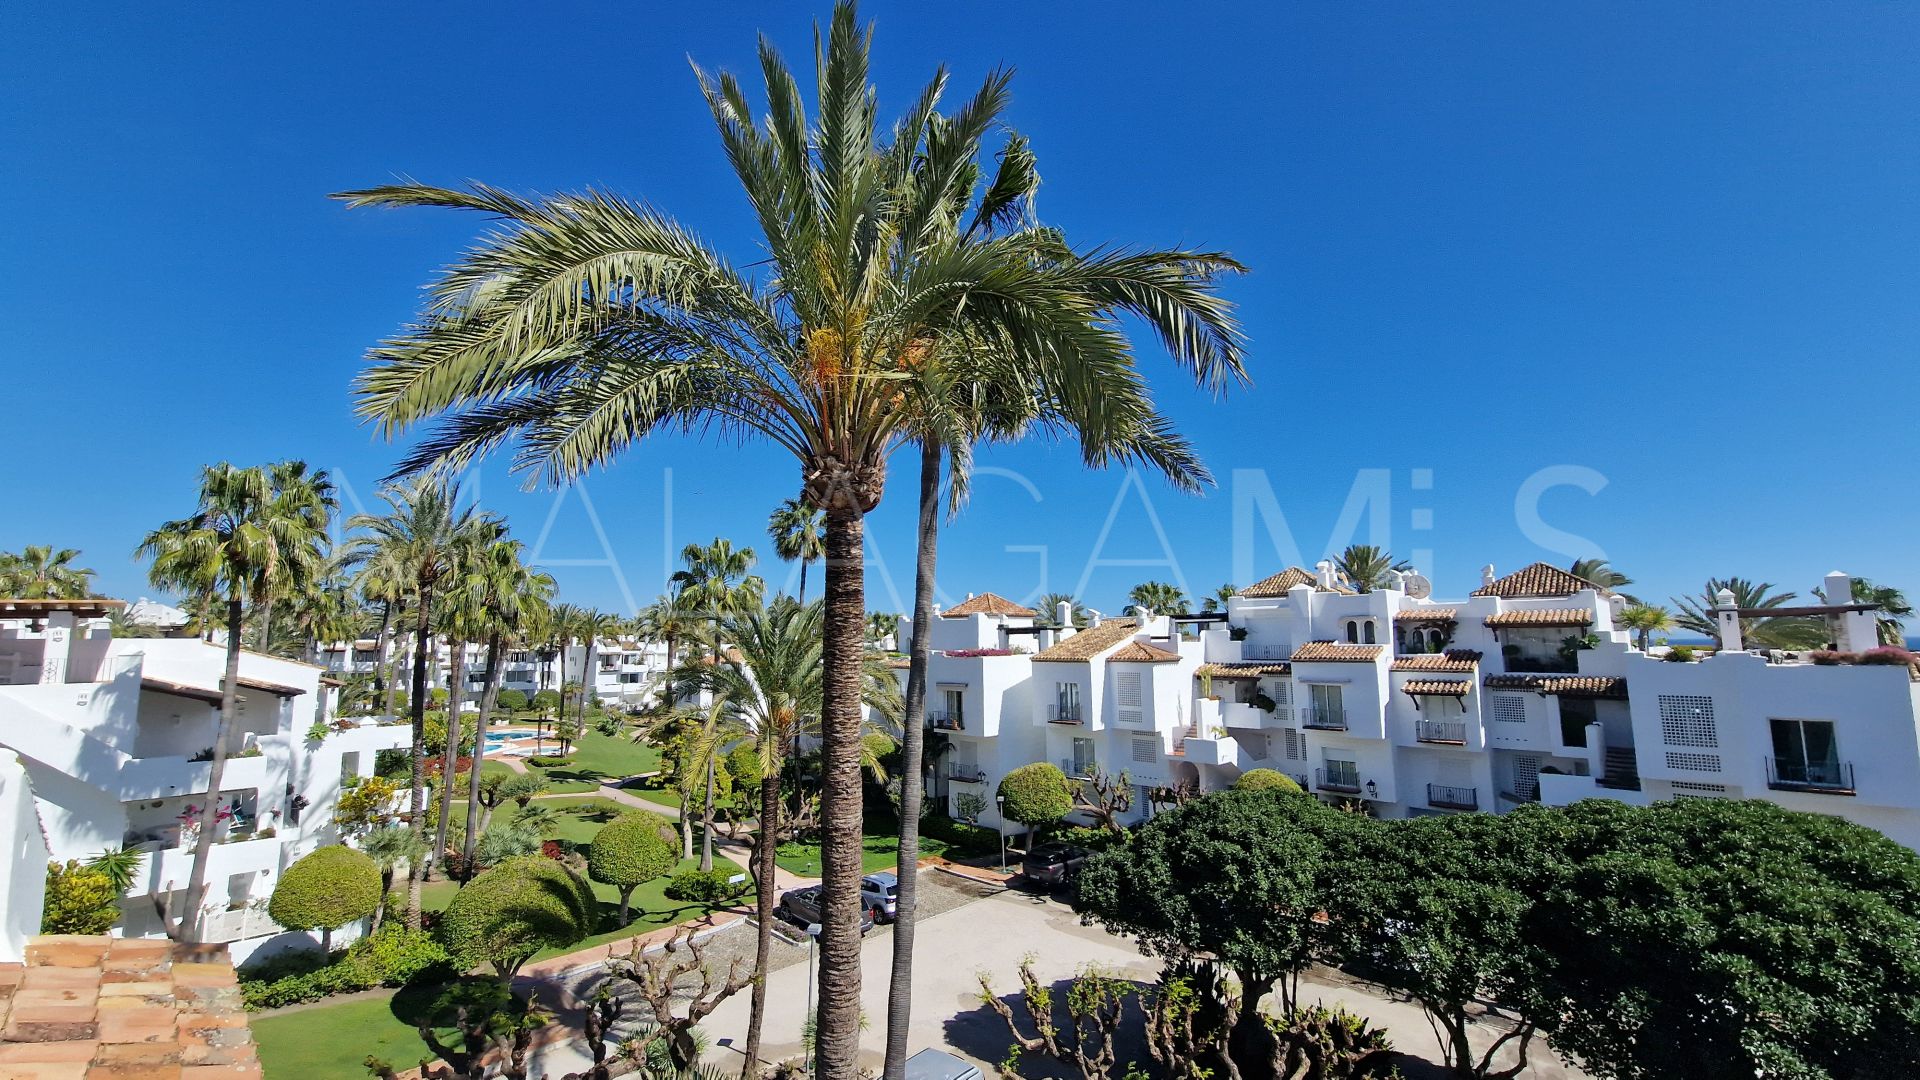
[[114, 738], [626, 672], [1525, 691]]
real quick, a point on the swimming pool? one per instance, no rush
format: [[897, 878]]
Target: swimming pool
[[512, 742]]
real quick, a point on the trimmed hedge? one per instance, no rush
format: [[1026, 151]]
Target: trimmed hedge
[[549, 761], [391, 957], [961, 837], [516, 909], [707, 886], [1265, 780], [326, 890]]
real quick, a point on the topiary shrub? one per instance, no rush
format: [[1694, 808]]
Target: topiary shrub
[[512, 700], [1035, 794], [714, 886], [326, 890], [547, 701], [631, 851], [514, 910], [1680, 654], [1265, 780], [396, 953], [80, 900], [549, 761]]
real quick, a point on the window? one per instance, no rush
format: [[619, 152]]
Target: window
[[1066, 702], [1327, 709], [1687, 720], [1126, 697], [350, 765], [1342, 774], [1805, 752], [1575, 715], [1367, 633], [955, 702], [1083, 759], [1353, 632]]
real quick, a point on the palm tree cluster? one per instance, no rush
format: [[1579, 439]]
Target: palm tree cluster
[[38, 572], [909, 297]]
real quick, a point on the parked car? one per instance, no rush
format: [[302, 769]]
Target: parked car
[[1053, 865], [802, 906], [880, 895], [931, 1064]]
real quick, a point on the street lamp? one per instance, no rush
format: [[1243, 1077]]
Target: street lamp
[[1000, 802], [813, 938]]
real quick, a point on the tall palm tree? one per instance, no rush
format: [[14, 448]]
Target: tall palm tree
[[1217, 600], [1158, 597], [795, 529], [1600, 572], [1696, 613], [582, 323], [769, 689], [326, 610], [1051, 602], [382, 582], [1645, 620], [718, 579], [241, 529], [41, 573], [671, 620], [508, 599], [425, 533], [1366, 567], [297, 494]]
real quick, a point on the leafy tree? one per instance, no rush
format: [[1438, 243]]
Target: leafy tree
[[629, 852], [40, 573], [1104, 797], [1217, 600], [80, 900], [1157, 597], [367, 805], [121, 866], [1717, 938], [1646, 620], [547, 701], [514, 701], [1601, 573], [1254, 879], [1365, 567], [389, 846], [1050, 603], [508, 913], [1696, 614], [1035, 795], [1265, 780], [254, 535], [796, 530], [828, 353], [325, 890]]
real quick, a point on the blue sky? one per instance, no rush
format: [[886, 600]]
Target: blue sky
[[1676, 249]]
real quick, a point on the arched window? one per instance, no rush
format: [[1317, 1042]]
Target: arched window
[[1370, 640], [1353, 632]]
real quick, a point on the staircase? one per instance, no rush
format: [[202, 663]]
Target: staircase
[[1623, 769]]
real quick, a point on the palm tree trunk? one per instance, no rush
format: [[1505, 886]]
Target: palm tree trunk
[[191, 919], [763, 874], [382, 677], [912, 753], [390, 656], [488, 697], [803, 580], [450, 757], [587, 680], [837, 1022], [706, 821], [417, 799]]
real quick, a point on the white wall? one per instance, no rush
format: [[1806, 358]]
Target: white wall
[[23, 873]]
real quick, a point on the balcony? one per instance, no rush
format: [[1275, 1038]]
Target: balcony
[[1340, 780], [1323, 719], [1065, 714], [1441, 732], [962, 774], [1449, 797], [1820, 777], [1212, 751], [946, 719]]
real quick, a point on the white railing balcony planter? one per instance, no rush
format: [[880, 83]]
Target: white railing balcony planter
[[1240, 714], [1442, 732], [1323, 719], [966, 774], [1562, 789], [1337, 780], [1212, 751], [1453, 797], [1065, 714], [946, 719]]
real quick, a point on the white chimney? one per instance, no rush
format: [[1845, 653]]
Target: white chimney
[[1728, 616], [1093, 618], [1323, 572], [1486, 575], [1853, 631], [1063, 617], [1397, 580]]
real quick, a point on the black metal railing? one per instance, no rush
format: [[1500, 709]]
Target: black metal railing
[[1324, 719], [1453, 732], [1337, 780], [946, 719], [1449, 797], [962, 775], [1829, 777], [1064, 713]]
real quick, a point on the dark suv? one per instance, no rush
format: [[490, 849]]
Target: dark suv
[[1053, 865], [802, 906]]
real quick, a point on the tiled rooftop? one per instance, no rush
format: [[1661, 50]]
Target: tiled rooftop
[[1427, 614], [987, 604], [1092, 641], [1594, 686], [1334, 652], [1535, 581], [1437, 687], [1278, 584], [94, 1008], [1245, 669], [1139, 652], [1452, 660], [1542, 617]]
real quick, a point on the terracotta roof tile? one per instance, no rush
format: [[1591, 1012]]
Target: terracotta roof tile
[[1336, 653], [987, 604], [1538, 580], [1245, 669], [1542, 617], [1437, 687], [1452, 660], [1427, 614], [1278, 584], [1594, 686], [1139, 652], [1092, 641]]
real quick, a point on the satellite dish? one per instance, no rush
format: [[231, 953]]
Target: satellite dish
[[1419, 587]]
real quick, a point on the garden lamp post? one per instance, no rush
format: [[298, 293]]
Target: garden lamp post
[[1000, 827]]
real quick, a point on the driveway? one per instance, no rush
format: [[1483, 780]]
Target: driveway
[[992, 936]]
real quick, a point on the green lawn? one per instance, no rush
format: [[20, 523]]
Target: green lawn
[[596, 758], [879, 851]]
